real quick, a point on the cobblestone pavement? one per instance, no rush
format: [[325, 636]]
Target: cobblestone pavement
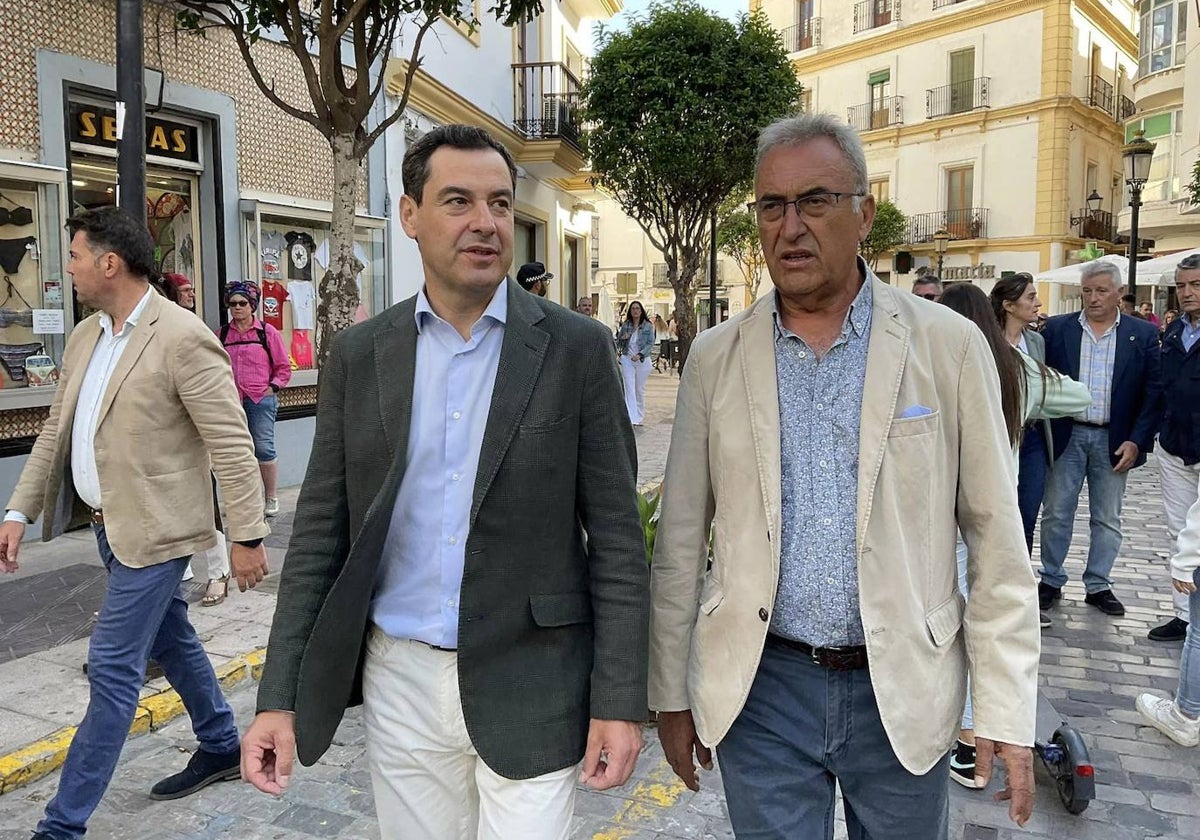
[[1092, 667]]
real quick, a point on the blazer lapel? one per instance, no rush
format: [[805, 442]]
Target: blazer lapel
[[521, 355], [757, 345], [139, 337], [395, 371], [886, 356], [1123, 355], [1072, 336]]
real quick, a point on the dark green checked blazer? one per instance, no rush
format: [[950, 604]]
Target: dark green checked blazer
[[552, 627]]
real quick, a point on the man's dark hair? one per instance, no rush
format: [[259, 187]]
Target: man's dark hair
[[113, 229], [1128, 299], [414, 171], [928, 280]]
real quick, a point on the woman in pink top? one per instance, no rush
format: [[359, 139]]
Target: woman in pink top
[[260, 369]]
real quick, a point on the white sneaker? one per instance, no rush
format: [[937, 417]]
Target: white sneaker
[[272, 508], [1165, 716]]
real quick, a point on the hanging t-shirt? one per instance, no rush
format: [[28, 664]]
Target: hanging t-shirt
[[273, 296], [301, 293], [273, 246], [321, 255], [302, 353], [300, 247]]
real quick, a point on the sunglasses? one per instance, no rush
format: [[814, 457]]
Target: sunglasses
[[234, 304], [929, 295]]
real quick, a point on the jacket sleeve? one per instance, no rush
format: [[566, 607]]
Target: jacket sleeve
[[1050, 395], [1149, 417], [681, 546], [1001, 622], [281, 371], [606, 485]]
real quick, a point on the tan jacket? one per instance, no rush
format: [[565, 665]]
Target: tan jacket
[[170, 404], [914, 474]]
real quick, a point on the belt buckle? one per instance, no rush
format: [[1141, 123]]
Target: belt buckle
[[97, 516]]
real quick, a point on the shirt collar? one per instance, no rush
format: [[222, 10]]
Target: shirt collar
[[106, 321], [859, 316], [1083, 321], [497, 310]]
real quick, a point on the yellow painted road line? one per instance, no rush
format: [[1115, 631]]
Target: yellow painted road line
[[659, 791], [45, 755]]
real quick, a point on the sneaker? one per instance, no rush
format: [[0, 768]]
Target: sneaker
[[1165, 716], [1047, 595], [203, 769], [962, 765], [272, 508], [1105, 601], [1174, 630], [1044, 620]]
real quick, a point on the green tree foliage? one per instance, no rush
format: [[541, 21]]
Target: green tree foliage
[[677, 101], [737, 238], [339, 48], [888, 231], [1193, 186]]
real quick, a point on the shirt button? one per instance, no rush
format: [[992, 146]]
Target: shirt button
[[819, 405], [824, 463], [828, 521], [455, 477], [762, 613], [456, 415], [803, 355], [450, 603], [453, 541]]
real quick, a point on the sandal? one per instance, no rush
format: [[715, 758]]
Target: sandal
[[213, 595]]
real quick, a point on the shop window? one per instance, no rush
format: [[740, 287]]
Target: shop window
[[33, 290], [288, 255]]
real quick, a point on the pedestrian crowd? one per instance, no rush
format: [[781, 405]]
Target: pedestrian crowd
[[841, 593]]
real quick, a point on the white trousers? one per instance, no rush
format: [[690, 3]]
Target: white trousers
[[634, 375], [1180, 487], [429, 782], [214, 562]]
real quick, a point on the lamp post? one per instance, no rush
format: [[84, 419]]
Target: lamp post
[[131, 100], [941, 241], [1093, 207], [1137, 155]]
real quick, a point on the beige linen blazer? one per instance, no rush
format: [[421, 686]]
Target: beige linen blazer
[[170, 405], [919, 479]]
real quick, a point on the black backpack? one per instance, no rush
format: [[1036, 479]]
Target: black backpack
[[262, 339]]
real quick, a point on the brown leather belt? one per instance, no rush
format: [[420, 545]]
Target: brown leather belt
[[96, 516], [849, 658], [1091, 425]]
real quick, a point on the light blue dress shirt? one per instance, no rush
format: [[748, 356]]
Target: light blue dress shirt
[[1097, 360], [1191, 332], [416, 595]]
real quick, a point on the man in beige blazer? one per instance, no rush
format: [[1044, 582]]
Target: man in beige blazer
[[827, 638], [145, 402]]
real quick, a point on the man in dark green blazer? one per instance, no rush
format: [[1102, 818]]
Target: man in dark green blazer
[[467, 440]]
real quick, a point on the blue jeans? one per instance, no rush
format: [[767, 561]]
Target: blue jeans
[[1188, 695], [803, 728], [144, 615], [1031, 479], [1086, 456], [260, 417]]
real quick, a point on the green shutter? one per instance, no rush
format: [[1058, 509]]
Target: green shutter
[[879, 77], [1158, 126]]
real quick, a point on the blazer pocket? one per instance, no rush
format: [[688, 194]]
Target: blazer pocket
[[711, 595], [561, 609], [945, 620], [907, 426], [544, 427]]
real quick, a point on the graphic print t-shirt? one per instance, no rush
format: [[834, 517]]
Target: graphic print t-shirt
[[302, 297], [273, 296], [273, 247]]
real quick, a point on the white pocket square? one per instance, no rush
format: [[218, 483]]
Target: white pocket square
[[915, 411]]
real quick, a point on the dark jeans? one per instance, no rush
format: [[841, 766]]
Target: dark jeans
[[805, 727], [1031, 481], [144, 614]]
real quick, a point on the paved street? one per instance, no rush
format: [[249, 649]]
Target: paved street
[[1092, 667]]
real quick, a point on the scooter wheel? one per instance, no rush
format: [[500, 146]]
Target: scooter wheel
[[1073, 798]]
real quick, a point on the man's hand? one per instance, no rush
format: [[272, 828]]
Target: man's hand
[[11, 534], [268, 748], [1184, 586], [612, 752], [249, 565], [1126, 454], [677, 734], [1018, 781]]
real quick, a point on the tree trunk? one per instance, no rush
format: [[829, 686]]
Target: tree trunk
[[337, 292], [683, 281]]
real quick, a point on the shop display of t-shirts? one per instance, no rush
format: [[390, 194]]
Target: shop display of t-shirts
[[303, 297], [273, 296], [300, 250], [302, 354], [273, 246], [321, 255]]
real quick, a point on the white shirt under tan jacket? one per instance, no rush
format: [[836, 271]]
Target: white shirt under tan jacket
[[914, 472], [169, 404]]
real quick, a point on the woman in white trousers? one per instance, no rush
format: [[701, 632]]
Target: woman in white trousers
[[635, 341]]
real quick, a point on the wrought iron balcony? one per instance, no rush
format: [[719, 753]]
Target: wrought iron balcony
[[801, 36], [941, 4], [870, 14], [1100, 94], [879, 114], [957, 97], [546, 102], [1128, 109], [968, 223], [1096, 224]]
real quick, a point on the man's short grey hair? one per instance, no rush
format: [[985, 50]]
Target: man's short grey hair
[[1189, 263], [804, 128], [1096, 268], [928, 280]]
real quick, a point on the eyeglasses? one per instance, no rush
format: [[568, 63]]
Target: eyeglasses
[[234, 304], [928, 295], [814, 205]]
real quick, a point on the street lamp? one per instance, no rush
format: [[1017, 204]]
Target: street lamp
[[1093, 207], [941, 241], [1137, 154]]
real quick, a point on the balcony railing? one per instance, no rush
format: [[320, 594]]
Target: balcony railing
[[872, 13], [801, 36], [546, 102], [968, 223], [940, 4], [1096, 224], [957, 97], [1128, 109], [1100, 94], [878, 114]]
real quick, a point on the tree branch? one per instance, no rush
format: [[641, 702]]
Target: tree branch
[[349, 17], [292, 25], [414, 64]]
